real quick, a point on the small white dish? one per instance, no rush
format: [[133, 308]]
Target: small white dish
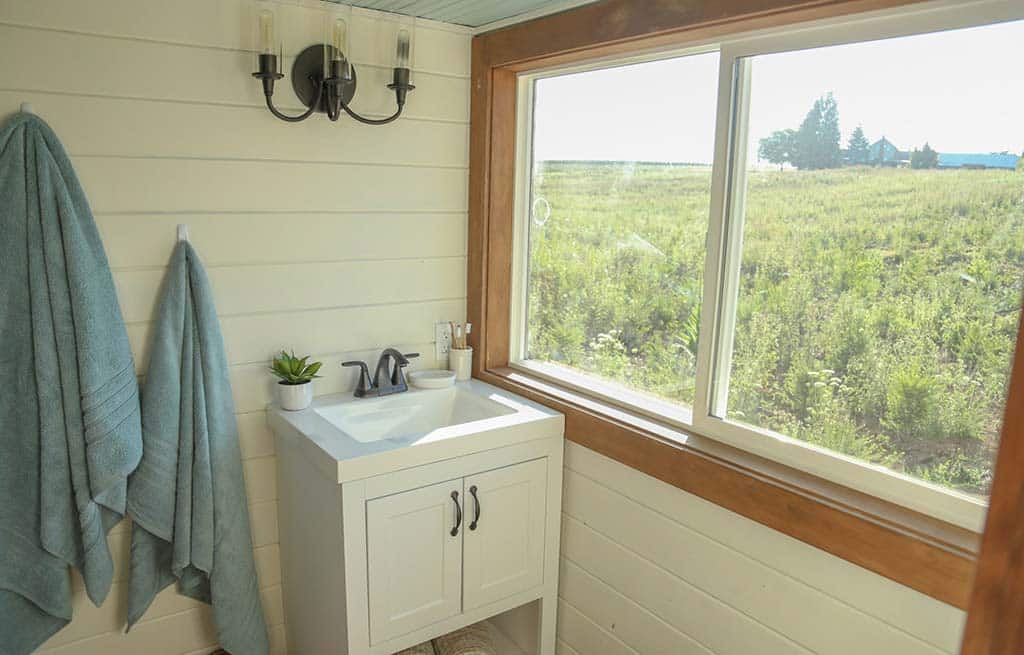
[[432, 379]]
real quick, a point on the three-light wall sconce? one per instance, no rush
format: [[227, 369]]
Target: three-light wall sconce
[[322, 76]]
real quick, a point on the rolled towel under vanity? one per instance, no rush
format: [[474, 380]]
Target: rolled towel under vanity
[[474, 639], [426, 648]]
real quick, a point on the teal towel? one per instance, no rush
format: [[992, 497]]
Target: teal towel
[[69, 419], [187, 497]]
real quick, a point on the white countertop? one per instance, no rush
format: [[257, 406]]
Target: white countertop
[[343, 458]]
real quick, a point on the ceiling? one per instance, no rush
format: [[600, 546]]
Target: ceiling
[[472, 13]]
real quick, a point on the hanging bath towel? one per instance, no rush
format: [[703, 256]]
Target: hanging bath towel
[[69, 416], [187, 498]]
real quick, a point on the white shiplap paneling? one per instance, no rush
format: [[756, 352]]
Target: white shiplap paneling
[[331, 238], [648, 568]]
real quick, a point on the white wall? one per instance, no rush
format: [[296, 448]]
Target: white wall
[[649, 569], [336, 239]]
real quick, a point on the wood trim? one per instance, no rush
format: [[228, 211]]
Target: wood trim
[[616, 26], [479, 194], [923, 553], [501, 200], [995, 621]]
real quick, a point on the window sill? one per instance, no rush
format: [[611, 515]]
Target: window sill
[[838, 470], [610, 393], [928, 555]]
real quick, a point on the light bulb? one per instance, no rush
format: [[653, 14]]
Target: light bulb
[[402, 53], [266, 32], [339, 39]]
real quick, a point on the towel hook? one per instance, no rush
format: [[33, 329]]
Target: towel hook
[[182, 232], [26, 108]]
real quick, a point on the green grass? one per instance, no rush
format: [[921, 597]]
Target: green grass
[[877, 308]]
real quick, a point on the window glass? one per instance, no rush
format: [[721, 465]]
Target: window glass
[[883, 250], [620, 193]]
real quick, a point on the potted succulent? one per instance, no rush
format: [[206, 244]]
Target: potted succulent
[[296, 383]]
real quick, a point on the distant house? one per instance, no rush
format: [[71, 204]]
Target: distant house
[[884, 153], [979, 161]]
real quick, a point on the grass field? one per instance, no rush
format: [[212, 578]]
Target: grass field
[[877, 308]]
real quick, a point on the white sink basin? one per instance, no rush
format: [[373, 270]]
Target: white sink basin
[[406, 415], [352, 438]]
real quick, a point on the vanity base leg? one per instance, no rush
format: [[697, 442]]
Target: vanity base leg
[[546, 625]]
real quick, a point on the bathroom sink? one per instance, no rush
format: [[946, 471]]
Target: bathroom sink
[[351, 438], [409, 414]]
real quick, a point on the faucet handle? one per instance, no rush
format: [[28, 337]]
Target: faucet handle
[[397, 375], [365, 383]]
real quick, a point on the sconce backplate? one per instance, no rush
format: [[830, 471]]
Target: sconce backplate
[[309, 66]]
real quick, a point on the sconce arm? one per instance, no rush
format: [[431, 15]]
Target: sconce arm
[[304, 115], [372, 121]]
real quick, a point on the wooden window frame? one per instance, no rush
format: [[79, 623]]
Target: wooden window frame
[[995, 619], [932, 556]]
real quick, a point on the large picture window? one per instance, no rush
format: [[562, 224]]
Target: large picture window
[[809, 245]]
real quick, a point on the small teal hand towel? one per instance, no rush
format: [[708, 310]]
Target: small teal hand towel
[[69, 421], [187, 497]]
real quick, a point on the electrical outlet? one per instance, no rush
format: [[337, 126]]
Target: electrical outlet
[[442, 340]]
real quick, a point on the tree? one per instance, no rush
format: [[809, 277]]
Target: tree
[[817, 140], [777, 148], [805, 151], [924, 158], [831, 154], [858, 147]]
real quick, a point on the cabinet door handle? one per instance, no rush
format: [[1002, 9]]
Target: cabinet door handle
[[476, 505], [458, 514]]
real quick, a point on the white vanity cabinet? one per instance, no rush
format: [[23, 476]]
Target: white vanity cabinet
[[409, 541]]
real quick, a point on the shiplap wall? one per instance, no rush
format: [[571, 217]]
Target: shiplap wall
[[648, 569], [334, 239]]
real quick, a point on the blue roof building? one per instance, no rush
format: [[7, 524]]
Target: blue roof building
[[991, 160]]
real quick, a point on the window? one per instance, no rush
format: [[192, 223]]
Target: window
[[620, 192], [855, 310]]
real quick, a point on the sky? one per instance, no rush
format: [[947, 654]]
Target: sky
[[961, 91]]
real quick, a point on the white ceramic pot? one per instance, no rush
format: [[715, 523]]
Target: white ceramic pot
[[460, 362], [295, 396]]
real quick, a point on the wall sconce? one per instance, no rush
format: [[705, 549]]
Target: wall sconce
[[322, 76]]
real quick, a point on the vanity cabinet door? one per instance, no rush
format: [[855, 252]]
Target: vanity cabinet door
[[414, 561], [504, 548]]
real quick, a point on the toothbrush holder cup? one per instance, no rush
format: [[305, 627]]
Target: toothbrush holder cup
[[460, 361]]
